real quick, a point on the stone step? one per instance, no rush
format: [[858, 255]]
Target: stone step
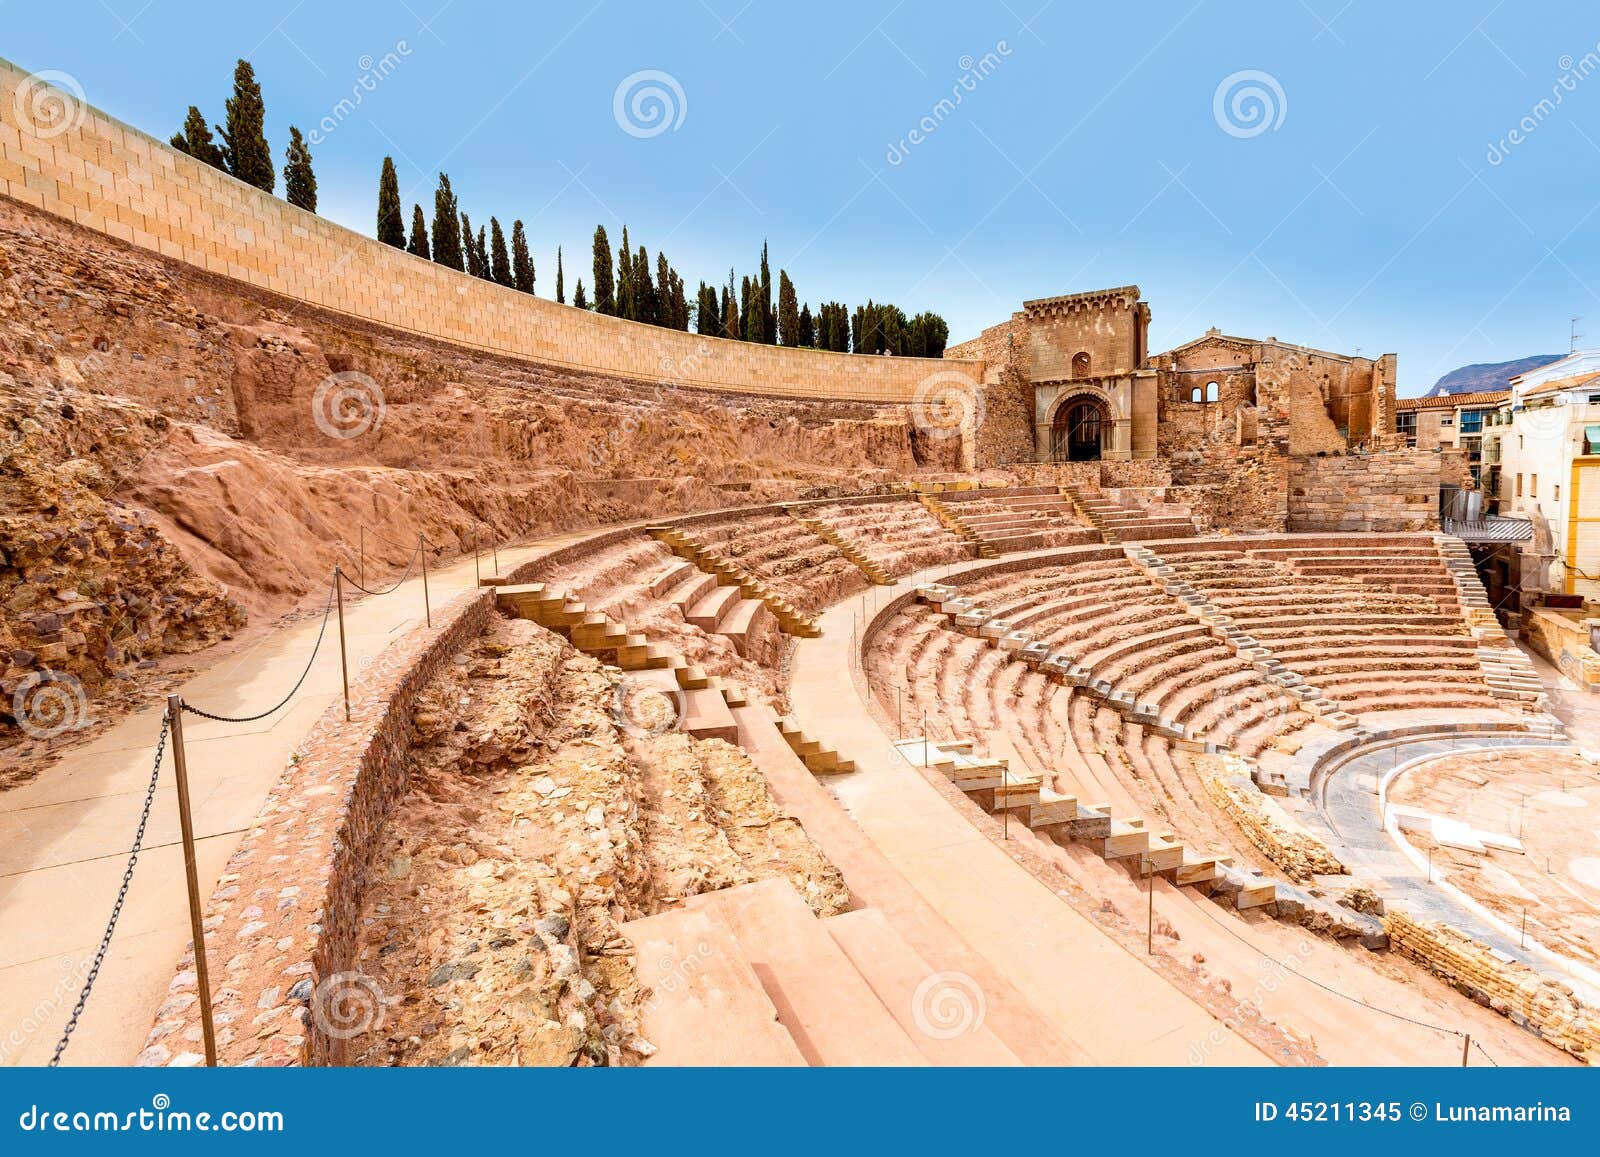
[[827, 1006], [711, 610], [709, 1007], [909, 988]]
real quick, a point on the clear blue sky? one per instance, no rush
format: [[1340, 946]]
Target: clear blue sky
[[1368, 215]]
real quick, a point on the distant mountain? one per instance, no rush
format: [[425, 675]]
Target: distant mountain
[[1488, 376]]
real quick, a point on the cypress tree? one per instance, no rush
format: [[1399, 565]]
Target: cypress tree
[[299, 182], [484, 271], [769, 331], [680, 304], [706, 320], [244, 141], [469, 246], [522, 271], [579, 301], [626, 306], [666, 303], [808, 331], [561, 280], [419, 233], [604, 288], [500, 258], [788, 311], [446, 226], [391, 225], [646, 302], [730, 311], [196, 140]]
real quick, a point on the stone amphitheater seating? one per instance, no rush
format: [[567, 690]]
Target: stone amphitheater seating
[[1343, 626], [784, 555], [1001, 521], [757, 979], [637, 575], [1119, 522], [888, 539]]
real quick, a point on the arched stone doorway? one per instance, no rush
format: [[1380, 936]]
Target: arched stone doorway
[[1079, 430]]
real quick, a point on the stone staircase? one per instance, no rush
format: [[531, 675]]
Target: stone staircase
[[730, 574], [819, 758], [701, 701], [1010, 519], [847, 548], [1247, 647], [750, 976], [953, 523], [1118, 523], [1510, 674]]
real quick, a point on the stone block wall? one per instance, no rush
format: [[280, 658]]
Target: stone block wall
[[1393, 491], [281, 925], [1513, 989], [109, 177]]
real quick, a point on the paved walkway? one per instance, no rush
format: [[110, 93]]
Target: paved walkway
[[65, 837], [1102, 997]]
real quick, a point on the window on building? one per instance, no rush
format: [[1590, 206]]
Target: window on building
[[1405, 425], [1594, 399], [1080, 364], [1213, 392], [1533, 486], [1195, 396], [1519, 485], [1448, 420], [1471, 421], [1557, 490]]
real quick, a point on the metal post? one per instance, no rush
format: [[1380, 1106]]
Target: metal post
[[477, 575], [180, 768], [361, 559], [494, 545], [925, 755], [1524, 928], [344, 662], [1150, 918], [422, 549], [1005, 810], [1466, 1049]]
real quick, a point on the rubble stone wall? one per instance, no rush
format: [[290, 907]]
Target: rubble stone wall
[[109, 177], [281, 925]]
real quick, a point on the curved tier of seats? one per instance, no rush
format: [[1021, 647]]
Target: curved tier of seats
[[1364, 645], [895, 537], [1017, 518], [781, 552]]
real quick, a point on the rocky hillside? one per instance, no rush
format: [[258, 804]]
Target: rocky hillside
[[180, 450], [1484, 377]]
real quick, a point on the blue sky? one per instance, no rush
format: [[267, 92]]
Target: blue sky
[[1365, 213]]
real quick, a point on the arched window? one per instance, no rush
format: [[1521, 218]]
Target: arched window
[[1195, 396], [1080, 364], [1077, 430], [1213, 392]]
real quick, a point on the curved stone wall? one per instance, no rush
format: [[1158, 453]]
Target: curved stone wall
[[90, 168]]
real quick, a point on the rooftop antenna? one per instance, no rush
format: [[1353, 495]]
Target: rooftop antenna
[[1573, 347]]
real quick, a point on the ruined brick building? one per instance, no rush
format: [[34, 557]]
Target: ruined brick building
[[1069, 381]]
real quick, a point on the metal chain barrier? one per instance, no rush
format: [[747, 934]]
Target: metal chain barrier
[[410, 562], [327, 610], [122, 894]]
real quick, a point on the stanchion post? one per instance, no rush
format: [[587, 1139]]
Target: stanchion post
[[494, 545], [180, 768], [361, 559], [344, 662], [422, 549], [1150, 914], [1466, 1050], [477, 575]]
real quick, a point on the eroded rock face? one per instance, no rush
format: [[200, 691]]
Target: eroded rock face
[[89, 585], [188, 460]]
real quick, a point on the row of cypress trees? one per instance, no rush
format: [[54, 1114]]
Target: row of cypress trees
[[244, 151], [452, 241]]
